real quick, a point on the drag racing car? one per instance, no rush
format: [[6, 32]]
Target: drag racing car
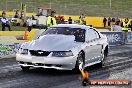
[[64, 47]]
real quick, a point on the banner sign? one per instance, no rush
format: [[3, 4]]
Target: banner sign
[[8, 48], [114, 38], [129, 37]]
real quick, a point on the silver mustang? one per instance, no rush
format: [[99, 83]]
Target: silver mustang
[[64, 47]]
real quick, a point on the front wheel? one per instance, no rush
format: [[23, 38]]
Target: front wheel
[[80, 62]]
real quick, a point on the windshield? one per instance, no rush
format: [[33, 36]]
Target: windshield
[[77, 32]]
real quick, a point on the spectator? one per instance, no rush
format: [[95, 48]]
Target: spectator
[[125, 27], [16, 15], [70, 20], [62, 20], [121, 23], [130, 25], [80, 21], [104, 21], [22, 15], [29, 24], [84, 22], [3, 13], [113, 19], [55, 17], [117, 21], [82, 16], [109, 21], [58, 20], [33, 18], [127, 19], [5, 23], [51, 19]]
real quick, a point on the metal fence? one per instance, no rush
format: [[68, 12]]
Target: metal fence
[[120, 8]]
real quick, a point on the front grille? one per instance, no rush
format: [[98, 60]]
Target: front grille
[[39, 53]]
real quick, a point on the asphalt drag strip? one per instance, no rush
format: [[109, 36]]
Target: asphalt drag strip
[[118, 65]]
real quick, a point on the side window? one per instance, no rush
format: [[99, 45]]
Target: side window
[[91, 35]]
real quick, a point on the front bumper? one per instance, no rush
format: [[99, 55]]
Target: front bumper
[[61, 63]]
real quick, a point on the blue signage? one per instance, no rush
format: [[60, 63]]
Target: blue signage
[[129, 37], [114, 38]]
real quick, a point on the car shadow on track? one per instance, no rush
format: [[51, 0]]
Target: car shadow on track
[[43, 71], [54, 72]]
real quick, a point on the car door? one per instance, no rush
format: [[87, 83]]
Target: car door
[[98, 46], [92, 49]]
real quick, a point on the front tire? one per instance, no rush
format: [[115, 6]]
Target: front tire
[[80, 60]]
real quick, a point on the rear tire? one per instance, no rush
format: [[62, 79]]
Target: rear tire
[[25, 68], [80, 60], [104, 56]]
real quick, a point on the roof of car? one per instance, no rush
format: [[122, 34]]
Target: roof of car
[[73, 26]]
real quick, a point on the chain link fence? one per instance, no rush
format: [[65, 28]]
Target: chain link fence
[[112, 8]]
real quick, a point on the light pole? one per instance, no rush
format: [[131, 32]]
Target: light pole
[[6, 5], [50, 3], [110, 3]]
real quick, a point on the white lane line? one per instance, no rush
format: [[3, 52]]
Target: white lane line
[[9, 66], [118, 63], [104, 74], [111, 59], [98, 76], [12, 83], [117, 67], [116, 52], [110, 69], [6, 69]]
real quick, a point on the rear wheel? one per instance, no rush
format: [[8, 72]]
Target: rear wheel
[[104, 56], [25, 68], [80, 61]]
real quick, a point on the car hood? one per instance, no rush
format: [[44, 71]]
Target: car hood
[[52, 43]]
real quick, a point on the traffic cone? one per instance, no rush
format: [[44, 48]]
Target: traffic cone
[[85, 76], [84, 73], [25, 34]]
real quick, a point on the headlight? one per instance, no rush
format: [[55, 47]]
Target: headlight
[[62, 53], [23, 51]]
